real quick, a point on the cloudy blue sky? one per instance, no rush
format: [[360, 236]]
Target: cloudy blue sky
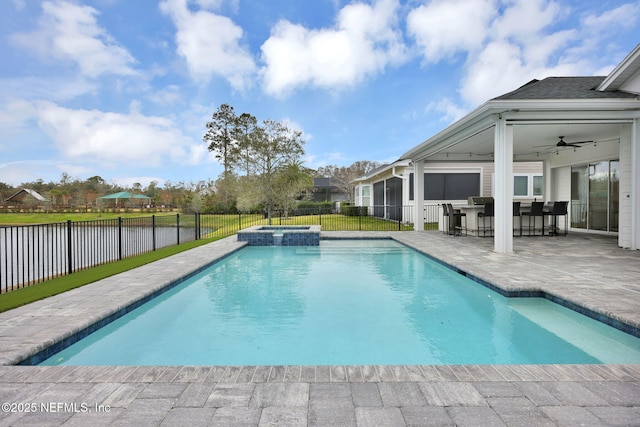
[[123, 88]]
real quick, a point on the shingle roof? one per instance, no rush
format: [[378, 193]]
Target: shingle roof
[[20, 195], [564, 88]]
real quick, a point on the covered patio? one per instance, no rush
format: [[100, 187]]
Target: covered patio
[[586, 132]]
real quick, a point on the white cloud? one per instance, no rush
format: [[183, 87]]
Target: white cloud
[[167, 96], [450, 111], [362, 43], [210, 44], [626, 15], [18, 172], [52, 88], [331, 158], [70, 32], [112, 138], [443, 28], [506, 43], [218, 4], [601, 43], [15, 113], [523, 20]]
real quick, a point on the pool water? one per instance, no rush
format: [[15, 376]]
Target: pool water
[[345, 302]]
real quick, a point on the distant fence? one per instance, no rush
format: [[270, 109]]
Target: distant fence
[[32, 254]]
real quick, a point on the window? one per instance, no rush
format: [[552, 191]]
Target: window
[[521, 186], [527, 185], [537, 185], [448, 186], [366, 195]]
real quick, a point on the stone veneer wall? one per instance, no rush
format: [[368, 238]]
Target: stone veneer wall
[[257, 238], [262, 236], [300, 238]]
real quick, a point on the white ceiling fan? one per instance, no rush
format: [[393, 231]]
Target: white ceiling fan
[[562, 143]]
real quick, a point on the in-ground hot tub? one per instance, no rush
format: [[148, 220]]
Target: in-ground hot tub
[[281, 235]]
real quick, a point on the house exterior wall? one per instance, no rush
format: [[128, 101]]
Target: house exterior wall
[[485, 169]]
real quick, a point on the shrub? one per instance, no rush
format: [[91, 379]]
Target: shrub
[[348, 210], [315, 207]]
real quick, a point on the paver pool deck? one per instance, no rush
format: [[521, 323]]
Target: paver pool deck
[[589, 271]]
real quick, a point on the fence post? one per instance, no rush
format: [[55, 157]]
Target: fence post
[[69, 249], [197, 230], [178, 228], [120, 238], [153, 231], [399, 218], [320, 215]]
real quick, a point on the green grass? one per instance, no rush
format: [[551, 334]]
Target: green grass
[[58, 285]]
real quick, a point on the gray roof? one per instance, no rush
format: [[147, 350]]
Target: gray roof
[[19, 196], [323, 182], [564, 88]]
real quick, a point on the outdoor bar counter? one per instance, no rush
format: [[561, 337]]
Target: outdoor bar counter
[[475, 205]]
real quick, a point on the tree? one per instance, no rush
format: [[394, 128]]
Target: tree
[[245, 129], [221, 136], [93, 187], [5, 191], [153, 191], [292, 181], [273, 147], [343, 177]]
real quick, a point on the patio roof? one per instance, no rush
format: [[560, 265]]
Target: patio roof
[[541, 112]]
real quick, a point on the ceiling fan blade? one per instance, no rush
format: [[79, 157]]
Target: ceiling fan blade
[[543, 146], [562, 143]]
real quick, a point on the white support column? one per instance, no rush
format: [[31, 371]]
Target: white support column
[[635, 185], [418, 196], [503, 197], [547, 189]]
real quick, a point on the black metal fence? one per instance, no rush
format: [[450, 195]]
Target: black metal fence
[[36, 253]]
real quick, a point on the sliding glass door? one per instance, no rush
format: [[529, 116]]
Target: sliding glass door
[[594, 196]]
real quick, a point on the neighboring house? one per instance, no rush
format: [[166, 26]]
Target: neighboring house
[[585, 130], [26, 197], [325, 190], [390, 187]]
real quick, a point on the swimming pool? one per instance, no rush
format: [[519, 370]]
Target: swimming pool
[[345, 303]]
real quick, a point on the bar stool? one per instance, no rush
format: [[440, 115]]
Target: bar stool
[[457, 216], [487, 213], [516, 212], [559, 209], [537, 210]]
